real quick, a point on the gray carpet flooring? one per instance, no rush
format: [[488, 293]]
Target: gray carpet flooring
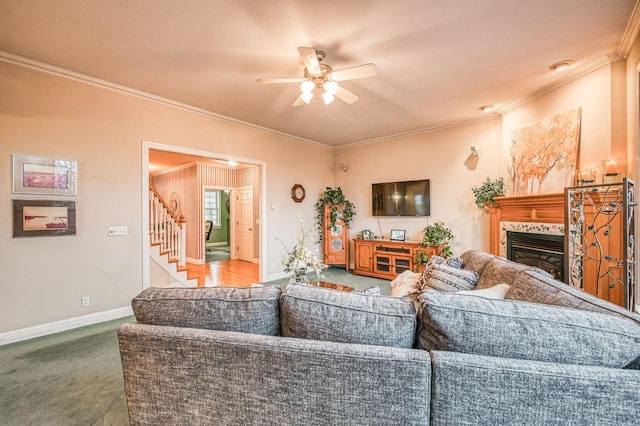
[[68, 378], [75, 377]]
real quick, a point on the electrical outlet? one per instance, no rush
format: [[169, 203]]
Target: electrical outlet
[[86, 301], [118, 230]]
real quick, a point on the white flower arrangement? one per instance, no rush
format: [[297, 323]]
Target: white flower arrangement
[[299, 258]]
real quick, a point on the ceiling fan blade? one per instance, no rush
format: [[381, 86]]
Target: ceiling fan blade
[[299, 101], [360, 71], [279, 80], [310, 60], [346, 95]]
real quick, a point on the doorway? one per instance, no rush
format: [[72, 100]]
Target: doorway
[[217, 219], [254, 176]]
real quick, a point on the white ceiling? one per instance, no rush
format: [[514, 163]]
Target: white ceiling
[[438, 60]]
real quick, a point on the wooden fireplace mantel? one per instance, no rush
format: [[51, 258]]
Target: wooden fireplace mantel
[[541, 208]]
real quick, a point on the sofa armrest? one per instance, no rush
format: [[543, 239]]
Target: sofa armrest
[[196, 376], [483, 390]]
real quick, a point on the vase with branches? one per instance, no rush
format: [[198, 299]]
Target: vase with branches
[[299, 258]]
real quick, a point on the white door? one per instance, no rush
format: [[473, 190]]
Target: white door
[[244, 223]]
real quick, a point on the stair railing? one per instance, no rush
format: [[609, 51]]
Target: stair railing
[[166, 229]]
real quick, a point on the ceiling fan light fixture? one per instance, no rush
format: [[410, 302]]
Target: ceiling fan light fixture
[[307, 86], [330, 86], [327, 98], [306, 97]]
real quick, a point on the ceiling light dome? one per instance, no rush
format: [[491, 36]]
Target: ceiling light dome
[[307, 86], [330, 86], [562, 65], [327, 98], [306, 97]]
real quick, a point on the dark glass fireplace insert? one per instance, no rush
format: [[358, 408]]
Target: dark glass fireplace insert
[[540, 250]]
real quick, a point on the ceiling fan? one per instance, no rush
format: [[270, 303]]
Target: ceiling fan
[[322, 79]]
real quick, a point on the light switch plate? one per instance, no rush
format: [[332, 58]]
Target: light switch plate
[[115, 231]]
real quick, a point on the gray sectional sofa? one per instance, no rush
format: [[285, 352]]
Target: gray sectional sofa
[[548, 354]]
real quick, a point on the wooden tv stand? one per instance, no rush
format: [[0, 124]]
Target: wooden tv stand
[[384, 258]]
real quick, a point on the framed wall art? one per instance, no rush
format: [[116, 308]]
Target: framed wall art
[[40, 175], [43, 218]]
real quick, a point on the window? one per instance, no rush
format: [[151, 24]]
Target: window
[[212, 206]]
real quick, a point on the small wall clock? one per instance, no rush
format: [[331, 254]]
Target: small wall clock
[[297, 193]]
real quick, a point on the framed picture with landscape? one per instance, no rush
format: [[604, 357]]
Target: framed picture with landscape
[[40, 175], [43, 218]]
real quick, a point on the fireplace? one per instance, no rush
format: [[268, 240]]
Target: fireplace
[[544, 251]]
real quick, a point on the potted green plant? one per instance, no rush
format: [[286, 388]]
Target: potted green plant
[[436, 238], [340, 207], [485, 193], [367, 234]]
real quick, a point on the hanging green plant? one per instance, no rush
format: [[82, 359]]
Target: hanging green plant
[[340, 208], [489, 189]]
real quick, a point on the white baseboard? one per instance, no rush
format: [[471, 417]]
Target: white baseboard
[[63, 325]]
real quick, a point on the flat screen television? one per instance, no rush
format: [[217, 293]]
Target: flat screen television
[[409, 198]]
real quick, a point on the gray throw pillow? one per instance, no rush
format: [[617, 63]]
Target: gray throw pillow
[[324, 314], [513, 329], [250, 310]]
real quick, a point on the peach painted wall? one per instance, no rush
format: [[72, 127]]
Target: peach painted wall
[[442, 156], [103, 129], [592, 92]]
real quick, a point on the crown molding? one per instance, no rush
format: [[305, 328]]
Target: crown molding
[[104, 84], [631, 32], [584, 70]]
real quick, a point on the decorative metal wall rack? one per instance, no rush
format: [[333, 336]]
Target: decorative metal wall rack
[[600, 240]]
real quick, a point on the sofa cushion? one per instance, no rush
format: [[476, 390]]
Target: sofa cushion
[[500, 270], [476, 260], [521, 330], [443, 277], [250, 310], [324, 314], [532, 287]]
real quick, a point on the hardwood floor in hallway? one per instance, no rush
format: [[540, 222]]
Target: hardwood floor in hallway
[[235, 273]]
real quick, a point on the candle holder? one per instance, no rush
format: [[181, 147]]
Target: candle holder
[[586, 177], [610, 171]]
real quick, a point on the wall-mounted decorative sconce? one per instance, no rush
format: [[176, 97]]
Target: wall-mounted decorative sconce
[[475, 150], [344, 167]]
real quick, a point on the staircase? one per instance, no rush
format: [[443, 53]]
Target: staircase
[[167, 235]]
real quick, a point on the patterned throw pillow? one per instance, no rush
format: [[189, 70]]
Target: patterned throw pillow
[[442, 277], [454, 262]]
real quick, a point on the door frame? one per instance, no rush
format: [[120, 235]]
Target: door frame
[[262, 236]]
